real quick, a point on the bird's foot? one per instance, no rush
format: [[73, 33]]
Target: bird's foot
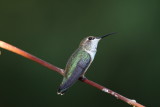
[[82, 78]]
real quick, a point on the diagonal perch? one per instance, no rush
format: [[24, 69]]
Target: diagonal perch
[[27, 55]]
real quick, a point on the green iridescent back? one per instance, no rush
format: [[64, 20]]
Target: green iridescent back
[[76, 57]]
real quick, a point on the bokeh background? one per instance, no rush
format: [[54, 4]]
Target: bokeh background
[[127, 62]]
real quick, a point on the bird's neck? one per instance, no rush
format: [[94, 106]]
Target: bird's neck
[[91, 52]]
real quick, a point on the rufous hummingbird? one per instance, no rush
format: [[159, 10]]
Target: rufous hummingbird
[[79, 62]]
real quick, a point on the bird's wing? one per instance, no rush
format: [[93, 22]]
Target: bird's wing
[[78, 58], [75, 68]]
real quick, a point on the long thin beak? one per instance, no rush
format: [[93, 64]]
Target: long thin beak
[[106, 35]]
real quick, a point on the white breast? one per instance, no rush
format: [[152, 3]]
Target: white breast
[[93, 49], [92, 54]]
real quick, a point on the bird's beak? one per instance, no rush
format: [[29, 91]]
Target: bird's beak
[[100, 37]]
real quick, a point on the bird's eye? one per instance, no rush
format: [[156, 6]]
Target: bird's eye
[[90, 38]]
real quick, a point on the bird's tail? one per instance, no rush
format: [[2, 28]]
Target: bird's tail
[[68, 83], [61, 91]]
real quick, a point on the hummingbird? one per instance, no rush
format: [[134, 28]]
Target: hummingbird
[[79, 62]]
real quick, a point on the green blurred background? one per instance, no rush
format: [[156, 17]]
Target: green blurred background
[[127, 62]]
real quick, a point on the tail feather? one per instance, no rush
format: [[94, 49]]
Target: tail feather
[[71, 80], [64, 87], [60, 91]]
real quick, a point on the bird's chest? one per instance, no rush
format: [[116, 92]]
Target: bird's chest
[[92, 53]]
